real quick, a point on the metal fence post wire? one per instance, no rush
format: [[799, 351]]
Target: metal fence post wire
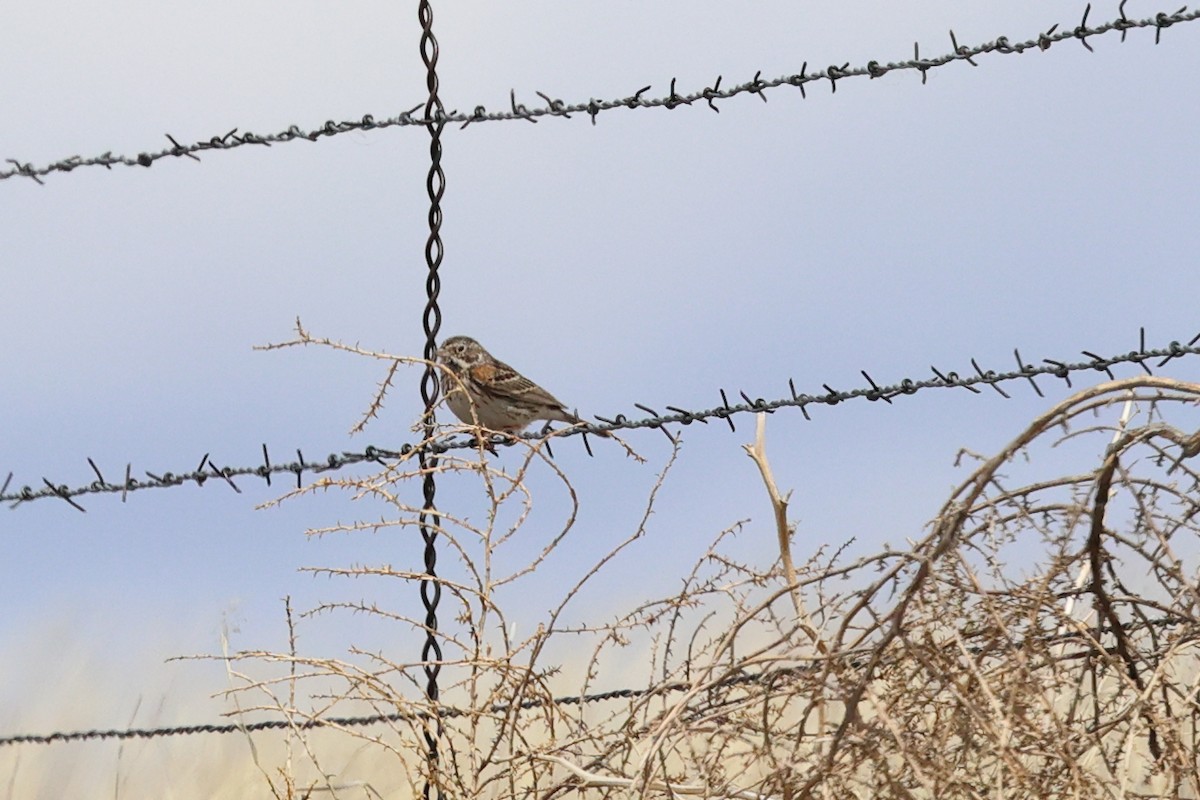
[[430, 521]]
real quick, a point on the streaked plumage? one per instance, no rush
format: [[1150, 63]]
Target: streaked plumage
[[500, 397]]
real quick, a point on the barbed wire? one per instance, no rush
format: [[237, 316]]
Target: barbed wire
[[452, 712], [593, 107], [208, 469], [444, 712]]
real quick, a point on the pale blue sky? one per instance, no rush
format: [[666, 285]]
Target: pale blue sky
[[1045, 201]]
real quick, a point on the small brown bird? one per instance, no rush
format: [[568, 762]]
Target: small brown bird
[[492, 393]]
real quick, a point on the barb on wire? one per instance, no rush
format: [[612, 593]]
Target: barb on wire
[[592, 107], [1087, 646], [726, 411]]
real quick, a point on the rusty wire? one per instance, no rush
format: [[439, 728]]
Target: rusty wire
[[593, 108]]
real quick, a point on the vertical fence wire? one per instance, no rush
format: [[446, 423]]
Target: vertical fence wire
[[430, 520]]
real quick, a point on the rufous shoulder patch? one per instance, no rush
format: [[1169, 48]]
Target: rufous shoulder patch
[[484, 373]]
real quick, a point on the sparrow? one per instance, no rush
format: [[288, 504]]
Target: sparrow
[[492, 394]]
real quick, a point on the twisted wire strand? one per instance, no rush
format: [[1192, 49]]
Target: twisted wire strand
[[727, 411], [429, 519], [593, 107]]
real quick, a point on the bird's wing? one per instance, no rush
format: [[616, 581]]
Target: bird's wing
[[502, 381]]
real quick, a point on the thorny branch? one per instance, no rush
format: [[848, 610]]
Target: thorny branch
[[779, 505]]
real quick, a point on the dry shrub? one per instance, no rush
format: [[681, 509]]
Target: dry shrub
[[1037, 641]]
